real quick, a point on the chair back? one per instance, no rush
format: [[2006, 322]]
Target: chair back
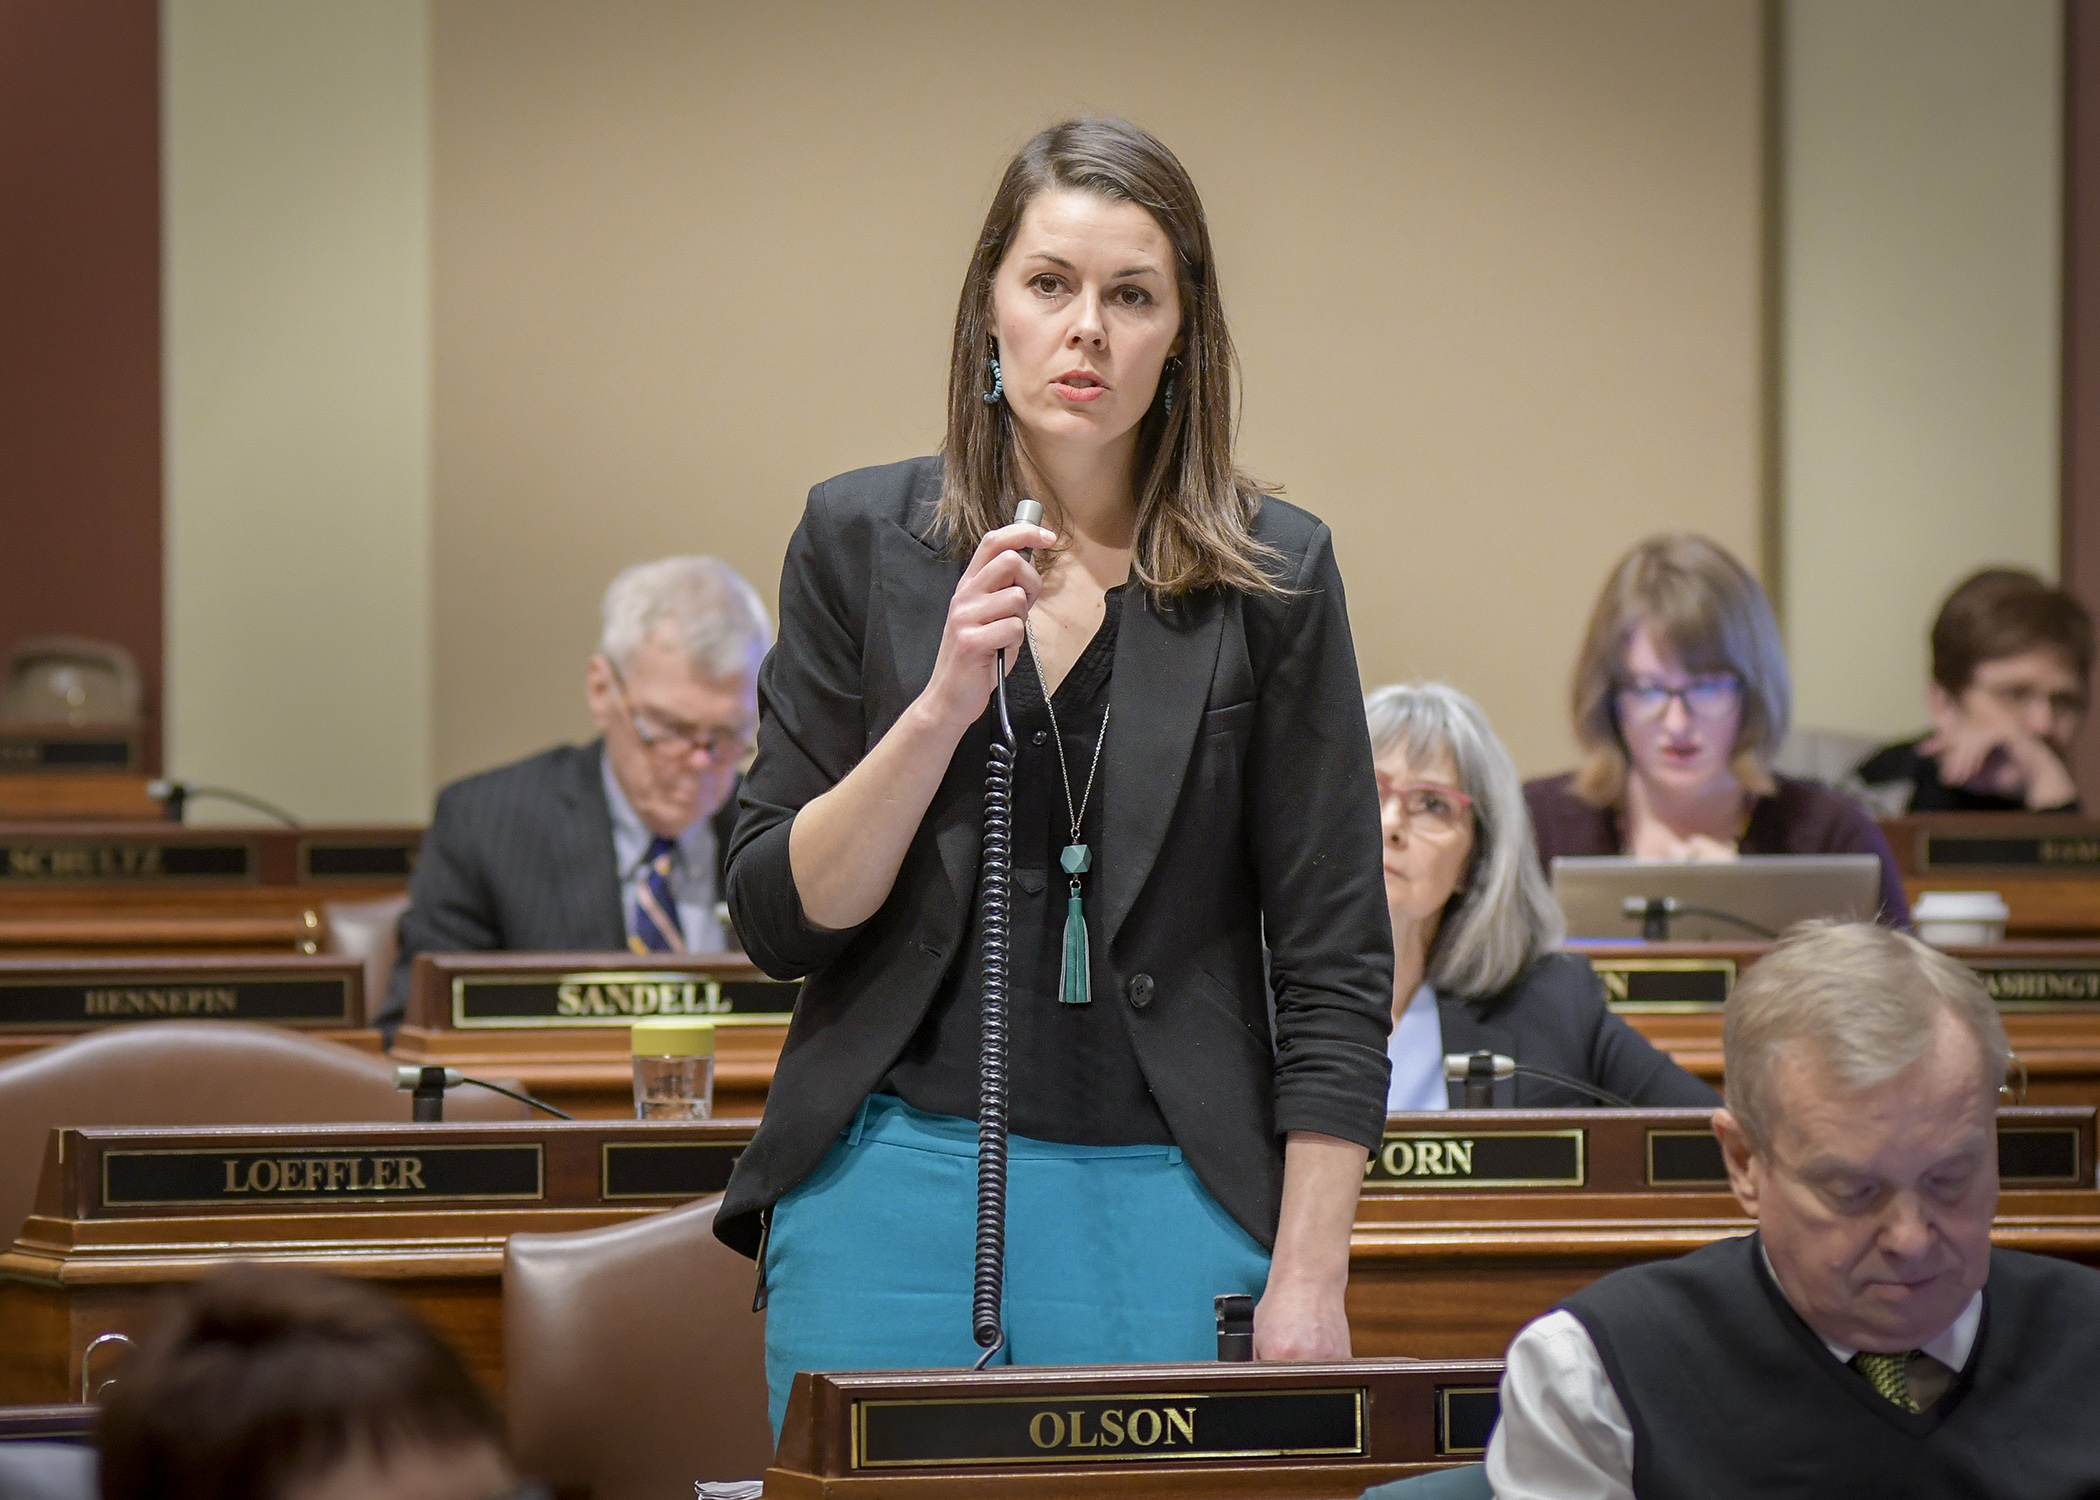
[[632, 1361], [195, 1073], [368, 931], [63, 679]]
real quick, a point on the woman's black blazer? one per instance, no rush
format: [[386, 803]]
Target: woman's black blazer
[[1554, 1016], [1238, 802]]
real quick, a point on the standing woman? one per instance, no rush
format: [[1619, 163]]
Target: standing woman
[[1197, 779]]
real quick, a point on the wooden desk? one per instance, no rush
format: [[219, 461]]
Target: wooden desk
[[2048, 995], [43, 1001], [559, 1021], [79, 798], [2045, 865], [423, 1208], [1452, 1253]]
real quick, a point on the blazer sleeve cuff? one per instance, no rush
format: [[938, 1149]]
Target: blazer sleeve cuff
[[766, 910], [1347, 1102]]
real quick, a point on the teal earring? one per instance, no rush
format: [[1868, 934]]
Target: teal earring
[[991, 397], [1173, 371]]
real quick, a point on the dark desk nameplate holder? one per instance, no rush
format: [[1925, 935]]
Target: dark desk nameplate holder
[[559, 1021], [1201, 1430]]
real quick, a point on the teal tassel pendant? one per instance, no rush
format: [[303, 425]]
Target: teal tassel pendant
[[1075, 984]]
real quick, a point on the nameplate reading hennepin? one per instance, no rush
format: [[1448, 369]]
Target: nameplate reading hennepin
[[1006, 1430], [341, 1177], [1409, 1159], [111, 1000], [614, 999], [1967, 851], [124, 860]]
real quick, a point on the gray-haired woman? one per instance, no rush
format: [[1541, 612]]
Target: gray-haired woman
[[1475, 931]]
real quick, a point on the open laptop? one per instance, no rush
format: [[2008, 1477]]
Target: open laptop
[[1740, 900]]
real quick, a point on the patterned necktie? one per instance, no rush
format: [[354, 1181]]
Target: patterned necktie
[[1888, 1374], [655, 926]]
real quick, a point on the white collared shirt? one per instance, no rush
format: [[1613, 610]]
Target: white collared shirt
[[1564, 1434], [1416, 1047], [692, 868]]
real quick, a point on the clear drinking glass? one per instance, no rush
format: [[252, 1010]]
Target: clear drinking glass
[[674, 1069]]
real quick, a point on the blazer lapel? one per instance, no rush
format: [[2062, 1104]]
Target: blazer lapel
[[593, 896], [1164, 665]]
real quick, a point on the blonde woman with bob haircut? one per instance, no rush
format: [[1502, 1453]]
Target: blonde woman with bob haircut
[[1681, 700], [1192, 774], [1475, 929]]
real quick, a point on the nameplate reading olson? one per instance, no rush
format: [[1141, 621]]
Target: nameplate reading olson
[[1409, 1159], [343, 1176], [125, 861], [614, 999], [1961, 851], [110, 1000], [1007, 1430]]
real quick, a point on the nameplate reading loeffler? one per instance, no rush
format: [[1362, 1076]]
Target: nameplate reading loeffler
[[614, 998], [1986, 851], [1001, 1431], [1646, 984], [55, 861], [46, 1004], [1410, 1159], [341, 1177]]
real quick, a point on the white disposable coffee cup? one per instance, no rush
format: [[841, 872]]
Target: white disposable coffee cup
[[1955, 919]]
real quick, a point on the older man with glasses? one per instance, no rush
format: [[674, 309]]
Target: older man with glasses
[[617, 844]]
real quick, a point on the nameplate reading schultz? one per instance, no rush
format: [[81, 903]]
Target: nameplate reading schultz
[[342, 1177], [1409, 1159], [1016, 1430], [614, 998], [115, 1000], [126, 860]]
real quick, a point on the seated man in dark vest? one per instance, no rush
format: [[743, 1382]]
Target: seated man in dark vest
[[617, 844], [1866, 1340]]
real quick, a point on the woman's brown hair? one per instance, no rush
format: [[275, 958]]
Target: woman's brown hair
[[1703, 606], [1195, 509]]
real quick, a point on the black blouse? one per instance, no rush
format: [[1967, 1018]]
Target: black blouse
[[1074, 1075]]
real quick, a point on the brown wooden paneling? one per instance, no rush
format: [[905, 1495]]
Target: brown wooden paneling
[[80, 529]]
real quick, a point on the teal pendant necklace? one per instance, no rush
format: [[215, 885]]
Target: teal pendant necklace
[[1075, 984]]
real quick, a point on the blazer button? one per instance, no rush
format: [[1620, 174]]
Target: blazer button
[[1042, 736], [1140, 991]]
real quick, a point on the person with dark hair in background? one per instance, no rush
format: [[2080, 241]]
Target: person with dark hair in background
[[268, 1383], [1193, 773], [1682, 697], [2012, 661]]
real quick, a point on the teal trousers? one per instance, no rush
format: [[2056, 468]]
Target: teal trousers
[[1113, 1254]]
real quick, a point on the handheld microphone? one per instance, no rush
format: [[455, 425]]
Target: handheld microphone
[[1479, 1070], [429, 1084]]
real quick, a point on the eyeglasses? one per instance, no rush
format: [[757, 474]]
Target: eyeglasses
[[719, 745], [2020, 697], [1437, 809], [1710, 697]]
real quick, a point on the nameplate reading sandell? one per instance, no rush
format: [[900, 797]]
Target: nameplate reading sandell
[[589, 991], [1164, 1430], [71, 995]]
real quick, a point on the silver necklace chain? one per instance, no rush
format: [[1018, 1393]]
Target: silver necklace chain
[[1058, 740]]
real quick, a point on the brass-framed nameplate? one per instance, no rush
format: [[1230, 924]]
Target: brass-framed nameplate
[[1002, 1431], [2029, 1156], [345, 1176], [1465, 1417], [664, 1169], [1411, 1159], [2039, 986], [2025, 853], [323, 860], [604, 997], [1665, 984], [126, 861], [28, 753], [51, 1002]]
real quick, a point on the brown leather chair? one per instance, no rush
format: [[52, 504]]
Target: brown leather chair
[[368, 930], [632, 1361], [195, 1073]]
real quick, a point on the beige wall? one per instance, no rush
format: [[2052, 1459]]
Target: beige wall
[[297, 348], [1494, 268], [1920, 371]]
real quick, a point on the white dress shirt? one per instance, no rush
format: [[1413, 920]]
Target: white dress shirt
[[1563, 1433], [1416, 1047], [692, 868]]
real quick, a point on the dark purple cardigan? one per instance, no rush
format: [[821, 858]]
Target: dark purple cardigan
[[1799, 817]]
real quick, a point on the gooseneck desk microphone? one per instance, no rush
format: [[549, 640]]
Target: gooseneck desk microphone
[[1479, 1070], [988, 1286]]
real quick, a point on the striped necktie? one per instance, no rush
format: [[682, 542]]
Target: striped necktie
[[655, 909], [1889, 1375]]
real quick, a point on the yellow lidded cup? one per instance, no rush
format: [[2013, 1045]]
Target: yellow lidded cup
[[674, 1068]]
